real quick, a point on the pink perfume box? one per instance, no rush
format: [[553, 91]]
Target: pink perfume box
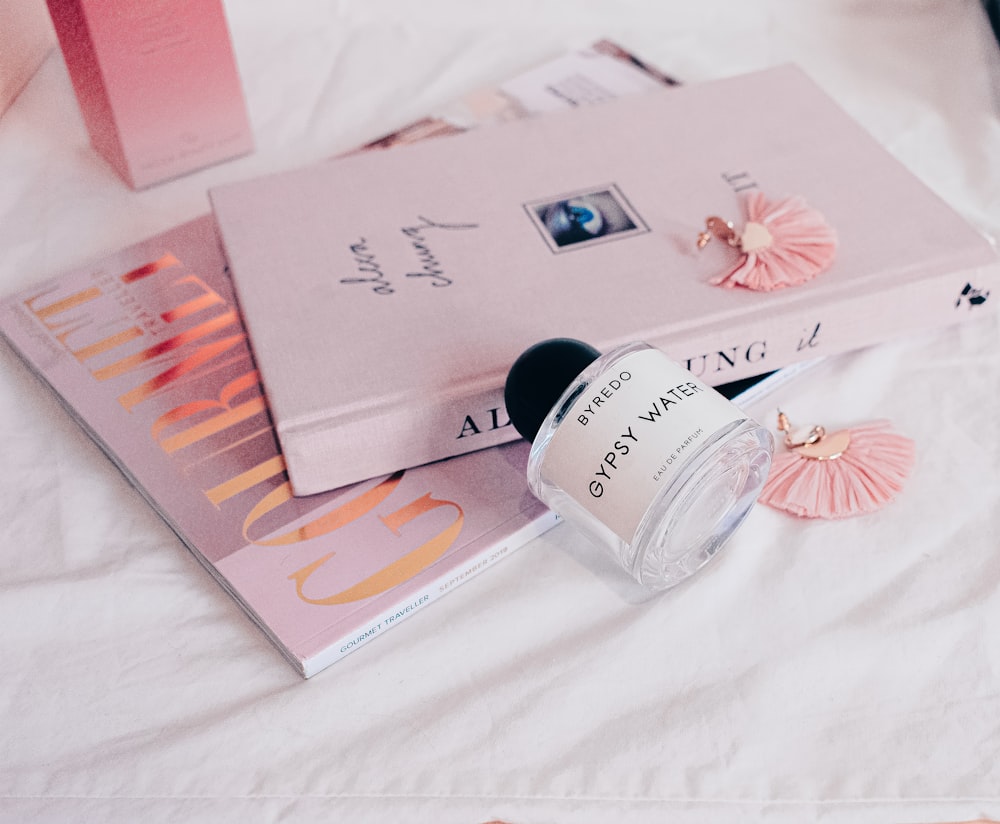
[[25, 39], [157, 84]]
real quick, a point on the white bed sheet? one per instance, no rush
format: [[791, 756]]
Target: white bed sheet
[[845, 671]]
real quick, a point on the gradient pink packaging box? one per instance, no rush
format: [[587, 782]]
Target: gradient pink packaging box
[[25, 39], [157, 84]]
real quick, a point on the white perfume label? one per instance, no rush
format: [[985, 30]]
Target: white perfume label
[[629, 434]]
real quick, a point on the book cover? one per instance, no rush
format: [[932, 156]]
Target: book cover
[[146, 349], [603, 71], [387, 294]]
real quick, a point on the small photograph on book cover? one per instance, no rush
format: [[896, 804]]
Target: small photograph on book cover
[[572, 221]]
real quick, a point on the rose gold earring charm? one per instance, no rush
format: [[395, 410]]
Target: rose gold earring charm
[[782, 243]]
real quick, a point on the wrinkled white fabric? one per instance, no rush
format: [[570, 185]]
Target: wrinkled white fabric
[[824, 671]]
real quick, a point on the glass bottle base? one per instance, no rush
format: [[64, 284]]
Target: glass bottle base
[[692, 518]]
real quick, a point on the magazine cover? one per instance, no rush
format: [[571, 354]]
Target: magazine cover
[[146, 349]]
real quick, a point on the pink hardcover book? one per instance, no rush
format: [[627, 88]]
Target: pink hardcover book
[[387, 294], [146, 349]]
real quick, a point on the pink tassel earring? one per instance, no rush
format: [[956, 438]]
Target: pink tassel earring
[[851, 472], [783, 243]]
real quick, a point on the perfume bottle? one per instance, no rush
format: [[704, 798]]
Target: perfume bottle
[[637, 453]]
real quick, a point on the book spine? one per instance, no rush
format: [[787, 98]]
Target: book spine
[[803, 330], [322, 457], [746, 347]]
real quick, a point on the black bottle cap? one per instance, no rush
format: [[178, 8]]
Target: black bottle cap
[[539, 377]]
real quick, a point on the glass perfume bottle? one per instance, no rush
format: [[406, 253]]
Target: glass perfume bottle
[[637, 453]]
